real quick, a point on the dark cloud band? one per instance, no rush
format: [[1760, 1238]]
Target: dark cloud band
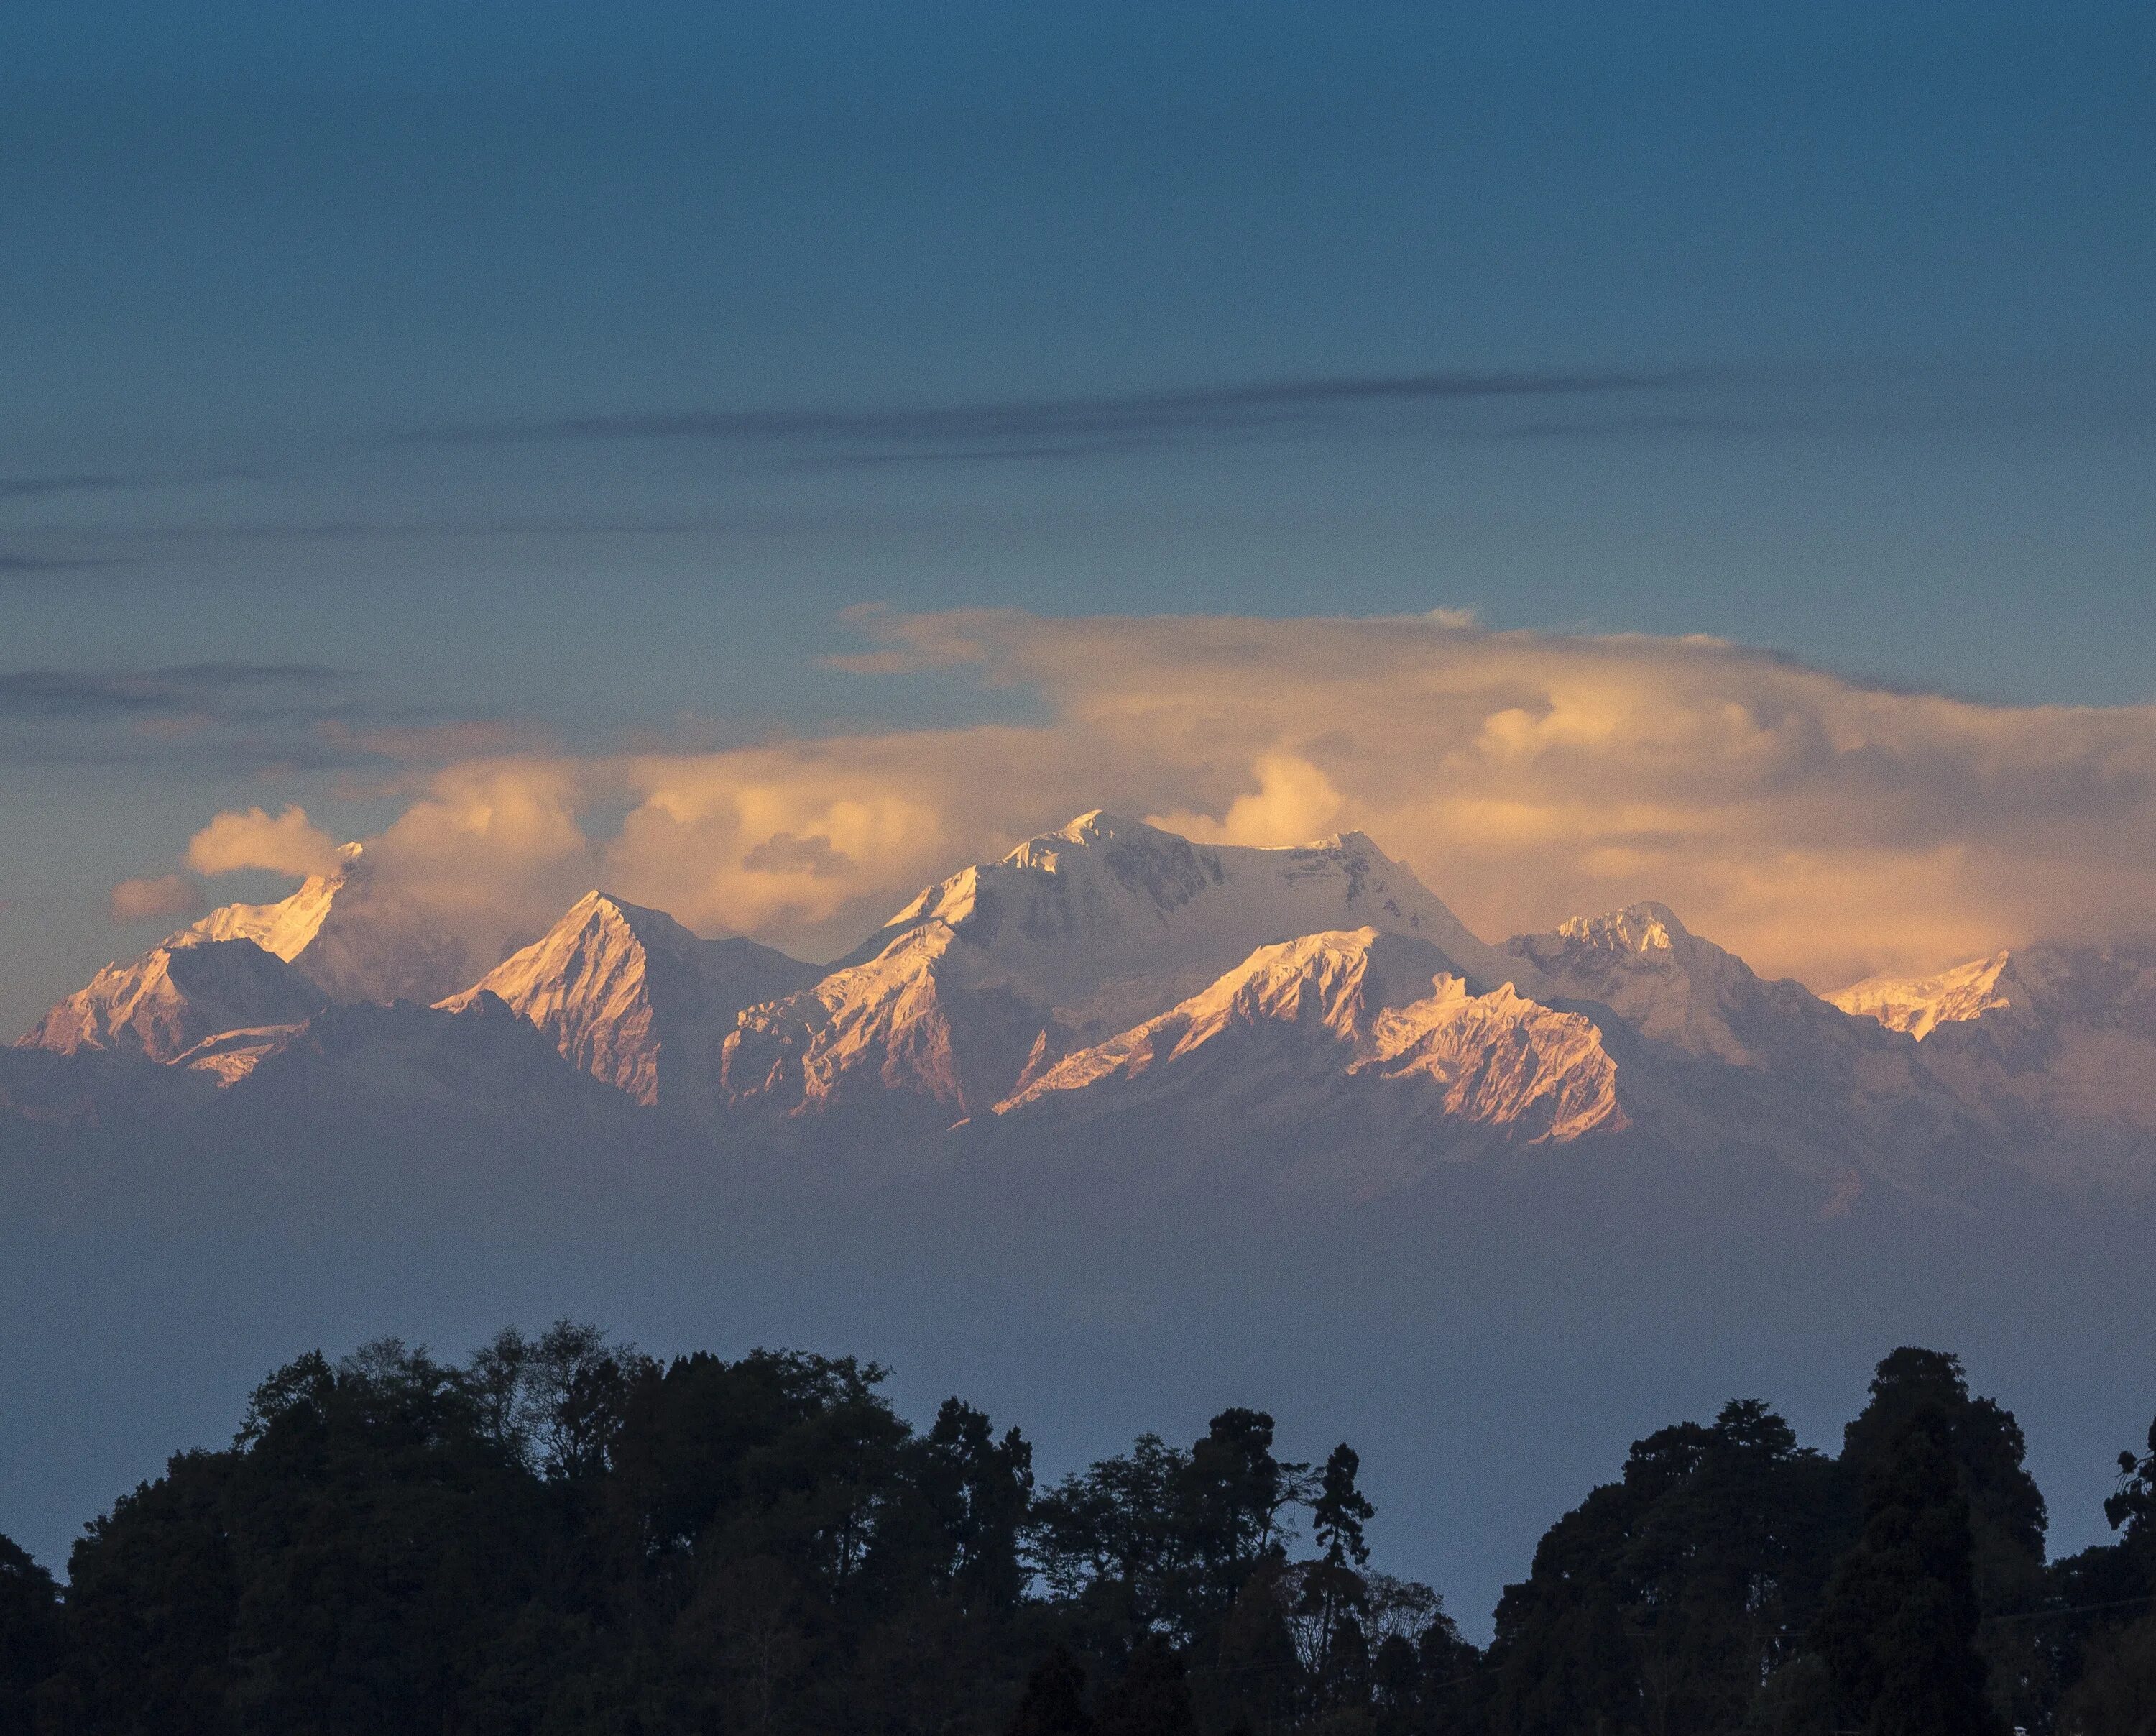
[[1054, 427]]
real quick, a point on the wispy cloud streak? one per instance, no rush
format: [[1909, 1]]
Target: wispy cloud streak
[[47, 563], [224, 689], [231, 717], [1059, 427], [33, 488]]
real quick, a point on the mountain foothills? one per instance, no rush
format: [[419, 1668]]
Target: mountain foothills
[[1315, 1005], [565, 1536]]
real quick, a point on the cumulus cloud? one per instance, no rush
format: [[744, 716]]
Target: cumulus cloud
[[1294, 801], [168, 894], [496, 847], [1822, 827], [290, 844]]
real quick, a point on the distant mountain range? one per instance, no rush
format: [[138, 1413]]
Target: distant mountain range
[[1113, 981]]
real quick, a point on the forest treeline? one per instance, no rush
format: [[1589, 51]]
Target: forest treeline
[[563, 1536]]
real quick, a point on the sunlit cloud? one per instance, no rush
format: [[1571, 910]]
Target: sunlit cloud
[[290, 844], [166, 896], [1823, 827]]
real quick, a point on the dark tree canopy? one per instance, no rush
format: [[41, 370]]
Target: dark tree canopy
[[1898, 1630], [563, 1537], [1054, 1703], [30, 1635]]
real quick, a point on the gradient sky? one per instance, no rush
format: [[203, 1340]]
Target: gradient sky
[[564, 372]]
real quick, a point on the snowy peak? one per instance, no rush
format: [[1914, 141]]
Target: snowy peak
[[2054, 1045], [1919, 1005], [2048, 987], [928, 1031], [1149, 867], [1672, 986], [1352, 1028], [347, 935], [1075, 936], [1640, 929], [1652, 972], [411, 1067], [1111, 920], [635, 999], [288, 927], [174, 998], [1326, 988]]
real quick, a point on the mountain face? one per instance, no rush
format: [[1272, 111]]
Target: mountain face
[[479, 1062], [1111, 979], [989, 976], [346, 935], [2055, 1046], [1380, 1031], [1669, 985], [1109, 920], [405, 1070], [1919, 1005], [633, 999], [175, 998], [926, 1032], [1688, 995]]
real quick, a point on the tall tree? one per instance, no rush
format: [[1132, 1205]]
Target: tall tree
[[1340, 1510], [2006, 1509], [1334, 1591], [2007, 1518], [978, 1490], [1661, 1599], [1898, 1632], [1237, 1494]]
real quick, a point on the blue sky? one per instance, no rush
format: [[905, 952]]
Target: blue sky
[[577, 367]]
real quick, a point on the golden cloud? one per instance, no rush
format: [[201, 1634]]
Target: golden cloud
[[290, 844], [1819, 826]]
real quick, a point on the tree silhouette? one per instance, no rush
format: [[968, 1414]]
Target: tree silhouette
[[1899, 1629], [1154, 1697], [1054, 1703], [30, 1634]]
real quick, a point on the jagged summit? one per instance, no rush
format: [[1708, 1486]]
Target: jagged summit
[[1674, 987], [1359, 1030], [1919, 1005], [2020, 994], [1646, 926], [2054, 1043], [1075, 935], [635, 999], [176, 997], [1111, 919], [1095, 826], [346, 934]]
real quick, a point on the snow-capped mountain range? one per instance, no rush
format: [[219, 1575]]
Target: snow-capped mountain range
[[1113, 979]]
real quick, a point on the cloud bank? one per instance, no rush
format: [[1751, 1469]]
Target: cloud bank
[[1822, 827]]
